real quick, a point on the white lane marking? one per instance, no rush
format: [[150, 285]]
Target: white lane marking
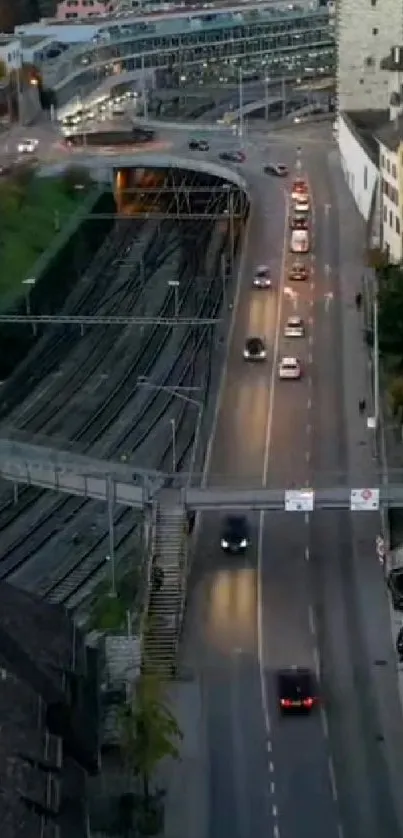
[[310, 358], [307, 456], [276, 831], [307, 554], [271, 767], [263, 690], [309, 403], [316, 660], [340, 830], [311, 303], [272, 788], [269, 746], [310, 340], [332, 779], [312, 286], [311, 618], [306, 517], [274, 811], [309, 428], [307, 484], [325, 725]]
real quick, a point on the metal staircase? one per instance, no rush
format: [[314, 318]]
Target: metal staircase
[[167, 588]]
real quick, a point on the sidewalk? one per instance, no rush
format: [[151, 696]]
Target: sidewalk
[[379, 623], [186, 782]]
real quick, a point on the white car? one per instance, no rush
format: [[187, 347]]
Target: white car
[[261, 277], [299, 241], [301, 205], [294, 328], [289, 368], [27, 146]]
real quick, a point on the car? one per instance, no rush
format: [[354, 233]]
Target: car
[[261, 277], [299, 189], [298, 222], [299, 241], [232, 156], [27, 146], [294, 328], [277, 169], [199, 145], [395, 584], [255, 350], [289, 368], [296, 690], [302, 205], [235, 535], [298, 272]]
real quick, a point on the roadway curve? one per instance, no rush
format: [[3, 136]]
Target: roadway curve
[[291, 599]]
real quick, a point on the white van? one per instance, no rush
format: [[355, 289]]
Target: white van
[[299, 241]]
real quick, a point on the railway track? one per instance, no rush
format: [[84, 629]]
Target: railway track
[[46, 523], [70, 580]]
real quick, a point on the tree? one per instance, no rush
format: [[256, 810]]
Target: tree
[[149, 733], [395, 392], [390, 296]]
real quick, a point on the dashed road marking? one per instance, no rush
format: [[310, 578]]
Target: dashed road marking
[[274, 811], [269, 746], [306, 517], [309, 404], [307, 456], [312, 286], [316, 660], [325, 725], [310, 340], [340, 830], [311, 618], [332, 779], [307, 554], [272, 788], [309, 428], [310, 358], [276, 831], [271, 767]]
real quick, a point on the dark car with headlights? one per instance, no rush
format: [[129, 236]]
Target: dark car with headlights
[[235, 536]]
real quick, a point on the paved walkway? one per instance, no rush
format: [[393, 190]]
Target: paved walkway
[[379, 623]]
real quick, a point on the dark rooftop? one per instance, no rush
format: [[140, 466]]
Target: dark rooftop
[[36, 646], [391, 135], [365, 126]]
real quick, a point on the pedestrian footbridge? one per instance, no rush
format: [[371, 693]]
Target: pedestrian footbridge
[[65, 471]]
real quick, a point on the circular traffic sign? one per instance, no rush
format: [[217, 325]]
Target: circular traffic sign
[[366, 494]]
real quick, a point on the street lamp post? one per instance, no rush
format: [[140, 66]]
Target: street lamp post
[[28, 285], [240, 84], [179, 393], [173, 429], [266, 98], [111, 533], [174, 283], [283, 98]]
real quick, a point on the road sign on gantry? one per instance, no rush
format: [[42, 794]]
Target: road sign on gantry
[[364, 500], [299, 500]]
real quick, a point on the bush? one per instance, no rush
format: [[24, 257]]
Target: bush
[[395, 393]]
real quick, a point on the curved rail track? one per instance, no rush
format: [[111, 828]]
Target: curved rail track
[[190, 363]]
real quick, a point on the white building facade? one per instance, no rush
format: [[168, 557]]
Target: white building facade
[[366, 29], [360, 170], [391, 220], [10, 52]]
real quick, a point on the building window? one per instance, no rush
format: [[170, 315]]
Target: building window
[[365, 177], [388, 165], [385, 214], [397, 222], [373, 3], [383, 161], [375, 30], [394, 173], [390, 218]]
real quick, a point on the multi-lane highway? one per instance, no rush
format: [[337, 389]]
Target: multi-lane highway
[[291, 599]]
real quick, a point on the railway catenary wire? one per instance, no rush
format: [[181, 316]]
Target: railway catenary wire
[[69, 581], [96, 344], [90, 566], [55, 343], [43, 530], [187, 444], [30, 494]]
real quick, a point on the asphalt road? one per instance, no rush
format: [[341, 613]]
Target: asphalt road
[[292, 598]]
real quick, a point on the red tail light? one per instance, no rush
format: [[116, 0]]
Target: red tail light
[[285, 702], [308, 702]]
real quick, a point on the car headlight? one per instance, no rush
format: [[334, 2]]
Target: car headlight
[[224, 543], [263, 354], [244, 542]]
